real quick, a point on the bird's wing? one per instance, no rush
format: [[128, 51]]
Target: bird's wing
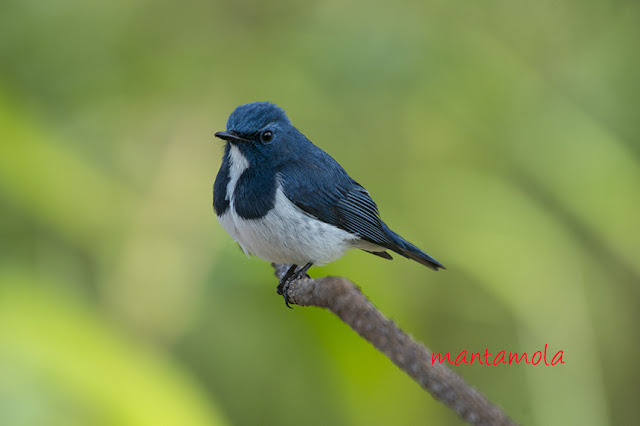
[[324, 190]]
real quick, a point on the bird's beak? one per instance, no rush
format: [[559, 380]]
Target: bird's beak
[[230, 136]]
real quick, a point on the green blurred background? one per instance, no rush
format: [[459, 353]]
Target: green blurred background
[[502, 137]]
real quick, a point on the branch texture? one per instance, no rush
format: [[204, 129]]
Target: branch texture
[[344, 299]]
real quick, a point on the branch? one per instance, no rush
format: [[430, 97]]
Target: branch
[[344, 299]]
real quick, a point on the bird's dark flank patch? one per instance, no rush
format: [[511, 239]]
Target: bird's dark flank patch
[[220, 199], [255, 193]]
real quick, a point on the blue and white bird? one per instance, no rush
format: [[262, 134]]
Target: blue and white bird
[[287, 201]]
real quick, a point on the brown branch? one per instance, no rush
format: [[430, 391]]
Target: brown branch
[[344, 299]]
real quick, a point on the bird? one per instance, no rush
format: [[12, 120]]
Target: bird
[[286, 201]]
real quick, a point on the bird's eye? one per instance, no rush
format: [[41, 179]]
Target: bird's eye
[[266, 136]]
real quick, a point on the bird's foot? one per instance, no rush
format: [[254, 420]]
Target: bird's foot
[[283, 289], [291, 276], [283, 286]]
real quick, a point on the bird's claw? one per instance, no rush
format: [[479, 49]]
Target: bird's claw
[[283, 289], [291, 276]]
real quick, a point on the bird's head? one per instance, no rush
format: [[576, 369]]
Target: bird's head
[[260, 130]]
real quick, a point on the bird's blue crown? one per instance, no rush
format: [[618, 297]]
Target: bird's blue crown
[[250, 118]]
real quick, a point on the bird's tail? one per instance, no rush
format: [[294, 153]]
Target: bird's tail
[[408, 250]]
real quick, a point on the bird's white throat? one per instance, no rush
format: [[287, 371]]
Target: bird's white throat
[[238, 163]]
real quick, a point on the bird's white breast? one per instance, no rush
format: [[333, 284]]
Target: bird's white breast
[[286, 234]]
